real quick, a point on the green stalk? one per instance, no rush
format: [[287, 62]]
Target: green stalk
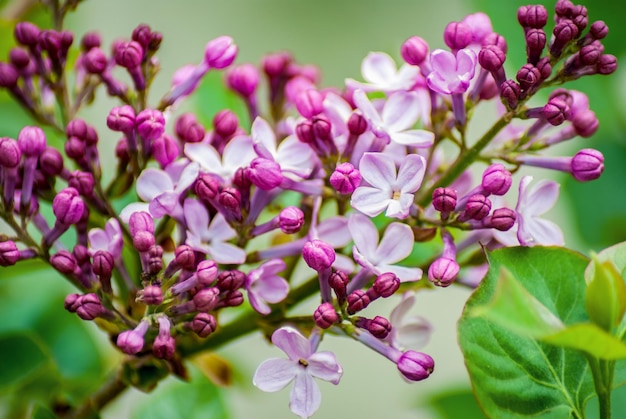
[[603, 387]]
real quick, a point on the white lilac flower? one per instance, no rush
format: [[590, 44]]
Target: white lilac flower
[[237, 153], [389, 191], [302, 366], [210, 238], [378, 258], [399, 113], [381, 74]]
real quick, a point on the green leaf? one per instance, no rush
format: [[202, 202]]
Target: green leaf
[[615, 254], [589, 338], [606, 295], [21, 356], [173, 399], [513, 375], [454, 404]]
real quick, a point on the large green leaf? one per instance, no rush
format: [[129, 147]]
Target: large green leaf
[[516, 376], [21, 356]]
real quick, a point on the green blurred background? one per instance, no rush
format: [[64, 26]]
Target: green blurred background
[[42, 347]]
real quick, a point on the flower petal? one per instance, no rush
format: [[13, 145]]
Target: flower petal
[[396, 244], [365, 235], [220, 230], [378, 170], [414, 333], [411, 173], [305, 396], [130, 209], [405, 274], [378, 68], [292, 343], [271, 288], [274, 374], [414, 137], [366, 107], [264, 139], [401, 111], [370, 201], [187, 177], [400, 208], [196, 217], [152, 183], [443, 62], [205, 155], [465, 63], [324, 365], [541, 197], [226, 253], [334, 231]]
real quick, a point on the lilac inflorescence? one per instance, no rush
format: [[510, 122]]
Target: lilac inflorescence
[[350, 180]]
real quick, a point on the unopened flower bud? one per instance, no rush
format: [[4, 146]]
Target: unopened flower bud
[[32, 141], [50, 161], [188, 129], [338, 281], [64, 262], [345, 179], [587, 164], [607, 64], [132, 341], [496, 179], [291, 220], [9, 253], [457, 35], [357, 301], [206, 272], [206, 299], [10, 153], [265, 173], [532, 16], [164, 344], [185, 257], [598, 29], [491, 58], [443, 271], [152, 295], [230, 198], [318, 255], [121, 119], [357, 124], [89, 307], [304, 132], [415, 366], [150, 124], [556, 111], [231, 280], [71, 302], [510, 93], [414, 50], [129, 54], [143, 240], [225, 123], [386, 284], [203, 324], [8, 75], [477, 207], [444, 199], [243, 79], [26, 33], [379, 326], [140, 221], [206, 187], [310, 103], [322, 128], [103, 264], [220, 52], [67, 206], [325, 315], [503, 219], [164, 150], [232, 299], [585, 123], [95, 61]]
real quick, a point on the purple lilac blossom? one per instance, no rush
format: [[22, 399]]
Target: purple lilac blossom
[[265, 286], [381, 74], [110, 239], [451, 73]]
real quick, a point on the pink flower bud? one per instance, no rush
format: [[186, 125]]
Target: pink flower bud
[[95, 61], [143, 240], [587, 164], [9, 253], [345, 179], [415, 366], [188, 129], [444, 199], [89, 307], [140, 221], [477, 207], [129, 54], [164, 150], [496, 179], [325, 315], [203, 324], [32, 141], [10, 153], [243, 79], [310, 103], [443, 271], [414, 50], [265, 174], [67, 206], [207, 272], [220, 52], [357, 301], [121, 119], [318, 255], [152, 295], [64, 262], [457, 35], [132, 341], [386, 284], [150, 124], [231, 280], [503, 219], [291, 220]]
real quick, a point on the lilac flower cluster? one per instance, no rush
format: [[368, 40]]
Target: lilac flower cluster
[[219, 217]]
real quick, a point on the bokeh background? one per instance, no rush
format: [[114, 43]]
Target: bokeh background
[[43, 346]]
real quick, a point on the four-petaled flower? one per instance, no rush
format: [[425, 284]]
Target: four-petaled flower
[[451, 73], [265, 286], [302, 365], [389, 191], [396, 244], [410, 333], [382, 74], [531, 204]]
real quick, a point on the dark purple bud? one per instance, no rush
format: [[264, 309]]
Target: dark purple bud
[[8, 75], [304, 132], [83, 182], [532, 16], [565, 31], [225, 123], [607, 64], [510, 92], [67, 39], [241, 179], [556, 111], [232, 299], [497, 40], [140, 221], [164, 344], [68, 207], [231, 280], [585, 123], [265, 174], [203, 324], [535, 42], [206, 299], [230, 198], [379, 327], [19, 58], [121, 119], [90, 40], [150, 124], [71, 302], [357, 301], [50, 161], [322, 128], [528, 76], [131, 341], [185, 257], [220, 52], [10, 153], [357, 124], [75, 148], [310, 103], [415, 366], [206, 187], [206, 272], [64, 262], [103, 264], [129, 54], [9, 253], [32, 141], [275, 65], [152, 295], [444, 199], [544, 67], [414, 50], [318, 255], [338, 281], [457, 35], [81, 253], [164, 150], [491, 58], [503, 219], [291, 220], [143, 35], [590, 54], [50, 41], [26, 33], [386, 284], [587, 164], [325, 315], [143, 240], [95, 61], [477, 207], [243, 79], [443, 271], [598, 30], [496, 179], [188, 129], [563, 8], [89, 307], [345, 179]]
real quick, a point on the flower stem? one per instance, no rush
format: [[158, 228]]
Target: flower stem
[[602, 373], [112, 388]]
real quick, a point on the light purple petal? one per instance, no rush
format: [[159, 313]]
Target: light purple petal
[[414, 137], [465, 63], [363, 261], [239, 152], [324, 365], [411, 173], [541, 198], [334, 231], [378, 170], [274, 374], [400, 111], [343, 263], [378, 68], [400, 208], [152, 183], [414, 333], [365, 235], [405, 274], [164, 204], [305, 396], [196, 216], [187, 177], [264, 139], [438, 83], [443, 62], [295, 157], [220, 230], [130, 209], [367, 108], [98, 240], [226, 253], [292, 343], [205, 155], [537, 231], [257, 303], [403, 307], [370, 201], [272, 288], [396, 244]]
